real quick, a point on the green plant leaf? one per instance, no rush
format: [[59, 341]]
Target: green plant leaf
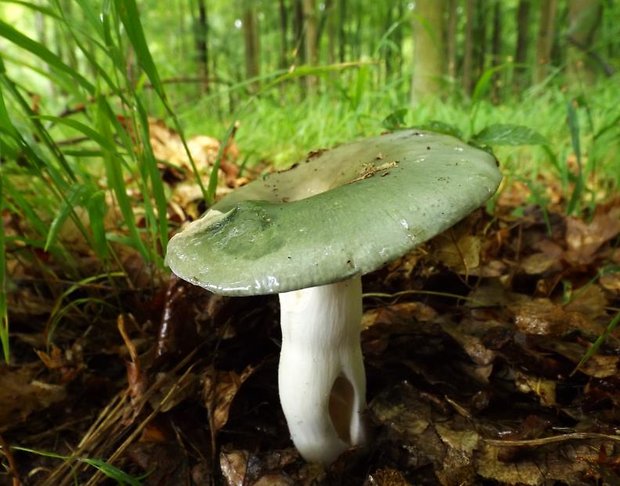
[[4, 318], [97, 208], [42, 52], [395, 120], [442, 127], [73, 199], [129, 16], [508, 134]]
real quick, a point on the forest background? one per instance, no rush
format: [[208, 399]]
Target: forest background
[[99, 102]]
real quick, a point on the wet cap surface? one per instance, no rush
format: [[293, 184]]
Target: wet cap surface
[[341, 212]]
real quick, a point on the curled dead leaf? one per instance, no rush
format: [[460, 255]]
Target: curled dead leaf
[[219, 391]]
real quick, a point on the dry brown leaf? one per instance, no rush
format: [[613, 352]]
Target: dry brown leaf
[[399, 312], [233, 466], [611, 282], [21, 394], [274, 479], [471, 344], [538, 263], [460, 255], [544, 389], [589, 300], [52, 360], [219, 391], [540, 317], [386, 477], [584, 239], [597, 366]]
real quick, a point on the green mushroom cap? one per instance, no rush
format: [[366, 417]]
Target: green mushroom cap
[[340, 213]]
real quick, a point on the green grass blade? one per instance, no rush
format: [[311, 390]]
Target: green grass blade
[[216, 165], [42, 52], [97, 209], [114, 173], [598, 343], [575, 137], [130, 17], [106, 468], [151, 172], [4, 318]]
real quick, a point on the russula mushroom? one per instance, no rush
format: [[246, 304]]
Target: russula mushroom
[[309, 234]]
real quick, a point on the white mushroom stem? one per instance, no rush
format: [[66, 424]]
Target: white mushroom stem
[[321, 375]]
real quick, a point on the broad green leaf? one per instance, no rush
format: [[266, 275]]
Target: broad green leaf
[[395, 120], [508, 134], [442, 127]]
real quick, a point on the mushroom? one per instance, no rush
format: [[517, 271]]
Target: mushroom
[[309, 234]]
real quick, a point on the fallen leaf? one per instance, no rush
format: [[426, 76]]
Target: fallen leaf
[[543, 388], [386, 477], [584, 239], [233, 466], [219, 391], [21, 394], [540, 317]]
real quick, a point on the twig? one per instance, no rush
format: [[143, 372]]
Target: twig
[[10, 458], [551, 440]]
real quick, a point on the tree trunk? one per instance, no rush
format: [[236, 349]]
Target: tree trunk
[[428, 49], [252, 47], [496, 49], [544, 41], [298, 29], [310, 22], [480, 38], [332, 27], [202, 45], [342, 32], [283, 34], [451, 31], [468, 54], [386, 53], [584, 18], [523, 24]]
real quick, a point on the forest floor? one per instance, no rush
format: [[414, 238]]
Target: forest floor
[[473, 345]]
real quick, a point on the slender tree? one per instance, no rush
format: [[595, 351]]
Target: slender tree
[[496, 48], [451, 31], [522, 46], [481, 9], [283, 11], [311, 32], [468, 52], [251, 41], [202, 45], [428, 49], [584, 18], [332, 30], [342, 32], [544, 40], [298, 30]]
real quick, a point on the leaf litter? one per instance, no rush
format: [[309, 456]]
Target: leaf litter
[[473, 346]]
